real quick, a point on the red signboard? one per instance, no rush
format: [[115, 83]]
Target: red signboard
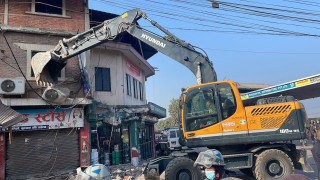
[[84, 146], [2, 155], [133, 70]]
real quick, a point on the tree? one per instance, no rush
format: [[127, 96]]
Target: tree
[[174, 111], [173, 119]]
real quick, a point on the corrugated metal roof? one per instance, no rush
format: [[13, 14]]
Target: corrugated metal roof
[[9, 117]]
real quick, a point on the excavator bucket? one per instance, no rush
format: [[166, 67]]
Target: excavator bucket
[[46, 68]]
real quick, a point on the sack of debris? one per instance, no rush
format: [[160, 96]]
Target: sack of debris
[[94, 172]]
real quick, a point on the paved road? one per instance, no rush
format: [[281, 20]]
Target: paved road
[[312, 176]]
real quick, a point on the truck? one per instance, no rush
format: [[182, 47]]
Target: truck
[[256, 139]]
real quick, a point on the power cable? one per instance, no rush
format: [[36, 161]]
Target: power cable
[[187, 17], [20, 70]]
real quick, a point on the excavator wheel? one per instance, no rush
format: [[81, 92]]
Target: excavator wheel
[[181, 168], [273, 164]]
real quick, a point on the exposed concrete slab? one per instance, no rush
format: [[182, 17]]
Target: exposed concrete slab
[[40, 102]]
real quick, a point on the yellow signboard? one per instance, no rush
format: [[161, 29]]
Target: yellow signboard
[[302, 82]]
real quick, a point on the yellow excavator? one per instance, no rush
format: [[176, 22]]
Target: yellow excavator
[[256, 139]]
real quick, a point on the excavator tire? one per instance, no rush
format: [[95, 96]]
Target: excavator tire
[[272, 164], [181, 168]]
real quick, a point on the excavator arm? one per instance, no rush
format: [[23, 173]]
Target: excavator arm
[[47, 65]]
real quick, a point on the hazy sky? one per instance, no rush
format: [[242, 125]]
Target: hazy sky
[[248, 41]]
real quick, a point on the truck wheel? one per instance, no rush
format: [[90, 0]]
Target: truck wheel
[[181, 168], [273, 164]]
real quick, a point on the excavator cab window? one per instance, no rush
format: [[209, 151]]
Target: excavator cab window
[[227, 99], [200, 109]]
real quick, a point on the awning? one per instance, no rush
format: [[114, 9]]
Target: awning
[[9, 117]]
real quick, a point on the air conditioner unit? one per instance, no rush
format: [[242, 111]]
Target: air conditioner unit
[[12, 86], [56, 95]]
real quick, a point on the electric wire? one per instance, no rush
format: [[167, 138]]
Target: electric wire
[[206, 20]]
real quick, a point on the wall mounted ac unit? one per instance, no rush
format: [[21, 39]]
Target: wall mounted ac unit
[[12, 86], [56, 95]]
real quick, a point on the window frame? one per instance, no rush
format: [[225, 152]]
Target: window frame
[[102, 78], [128, 81], [215, 117], [220, 99], [33, 10], [135, 88], [40, 48], [141, 90]]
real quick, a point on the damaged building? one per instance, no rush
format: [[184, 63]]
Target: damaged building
[[105, 113]]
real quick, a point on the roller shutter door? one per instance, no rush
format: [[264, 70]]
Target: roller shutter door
[[42, 153]]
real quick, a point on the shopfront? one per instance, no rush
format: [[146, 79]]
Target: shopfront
[[45, 144], [115, 135]]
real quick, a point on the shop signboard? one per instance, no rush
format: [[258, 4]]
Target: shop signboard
[[84, 143], [133, 70], [157, 110], [42, 119]]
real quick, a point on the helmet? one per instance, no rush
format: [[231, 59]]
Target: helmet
[[209, 158]]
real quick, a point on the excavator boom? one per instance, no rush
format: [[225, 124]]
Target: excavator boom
[[47, 65]]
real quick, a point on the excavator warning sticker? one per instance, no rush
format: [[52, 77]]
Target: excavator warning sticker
[[228, 124], [124, 15]]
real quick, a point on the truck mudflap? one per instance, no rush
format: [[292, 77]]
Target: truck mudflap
[[303, 163], [156, 166]]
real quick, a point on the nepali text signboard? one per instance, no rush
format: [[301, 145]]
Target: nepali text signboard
[[41, 119]]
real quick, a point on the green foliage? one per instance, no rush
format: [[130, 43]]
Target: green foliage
[[173, 119]]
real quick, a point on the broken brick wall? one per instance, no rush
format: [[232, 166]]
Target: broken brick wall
[[10, 69]]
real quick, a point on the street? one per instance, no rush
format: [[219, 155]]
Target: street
[[312, 176]]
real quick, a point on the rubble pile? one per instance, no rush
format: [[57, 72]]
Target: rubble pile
[[125, 171]]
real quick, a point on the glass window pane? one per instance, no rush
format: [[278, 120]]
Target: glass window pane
[[173, 134], [48, 6], [227, 99], [200, 109]]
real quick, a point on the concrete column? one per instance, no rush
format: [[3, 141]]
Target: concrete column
[[6, 12]]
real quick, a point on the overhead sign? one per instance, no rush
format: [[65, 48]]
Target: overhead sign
[[282, 87], [133, 70], [41, 119]]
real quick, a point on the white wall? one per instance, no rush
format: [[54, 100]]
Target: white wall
[[116, 61]]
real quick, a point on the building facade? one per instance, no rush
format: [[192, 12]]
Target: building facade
[[120, 118], [106, 114], [47, 142]]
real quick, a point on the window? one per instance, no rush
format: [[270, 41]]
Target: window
[[102, 79], [32, 49], [135, 88], [49, 6], [227, 99], [128, 78], [32, 73], [200, 109], [141, 90], [173, 134]]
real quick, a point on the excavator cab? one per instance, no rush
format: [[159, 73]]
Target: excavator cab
[[213, 115], [207, 109]]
